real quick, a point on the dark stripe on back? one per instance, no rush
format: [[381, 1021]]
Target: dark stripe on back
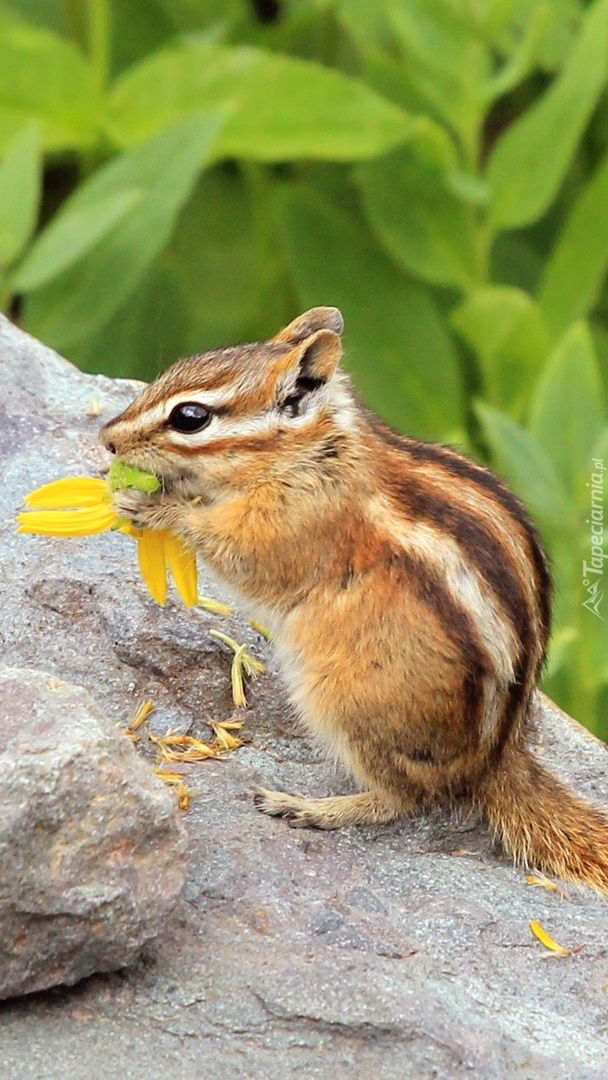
[[489, 555], [457, 622], [477, 544], [461, 467]]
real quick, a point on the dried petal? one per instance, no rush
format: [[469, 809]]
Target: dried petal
[[214, 607], [224, 739], [545, 883], [226, 639], [236, 678], [141, 714]]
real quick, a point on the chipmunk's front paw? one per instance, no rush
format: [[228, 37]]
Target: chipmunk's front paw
[[142, 510], [300, 812]]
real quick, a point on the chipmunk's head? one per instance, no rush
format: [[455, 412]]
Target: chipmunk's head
[[238, 408]]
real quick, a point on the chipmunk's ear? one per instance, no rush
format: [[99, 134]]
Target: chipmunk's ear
[[307, 367], [318, 318], [315, 336]]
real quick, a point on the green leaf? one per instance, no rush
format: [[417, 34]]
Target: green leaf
[[279, 108], [78, 227], [225, 250], [532, 158], [445, 58], [575, 272], [522, 57], [425, 227], [367, 23], [529, 469], [83, 298], [567, 412], [396, 340], [44, 78], [505, 328], [20, 180], [145, 334]]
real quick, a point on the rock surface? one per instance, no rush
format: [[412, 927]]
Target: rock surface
[[375, 953], [91, 846]]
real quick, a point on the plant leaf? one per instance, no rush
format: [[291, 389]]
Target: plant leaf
[[78, 302], [279, 108], [531, 159], [423, 225], [397, 342], [20, 182], [533, 476], [566, 412], [506, 329], [446, 58], [46, 79], [73, 231], [575, 272]]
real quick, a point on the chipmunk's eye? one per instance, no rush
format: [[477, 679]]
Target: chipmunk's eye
[[189, 417]]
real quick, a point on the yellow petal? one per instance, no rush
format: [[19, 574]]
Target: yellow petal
[[182, 564], [74, 491], [545, 939], [128, 529], [151, 557], [83, 522]]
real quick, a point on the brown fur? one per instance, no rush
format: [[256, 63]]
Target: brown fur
[[406, 587]]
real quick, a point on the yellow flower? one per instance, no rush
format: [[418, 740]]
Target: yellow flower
[[91, 511]]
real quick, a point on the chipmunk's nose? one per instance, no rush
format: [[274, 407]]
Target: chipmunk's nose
[[106, 439]]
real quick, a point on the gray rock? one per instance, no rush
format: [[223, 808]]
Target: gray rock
[[91, 847], [432, 970]]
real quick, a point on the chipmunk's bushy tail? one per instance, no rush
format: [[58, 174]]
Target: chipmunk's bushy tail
[[542, 824]]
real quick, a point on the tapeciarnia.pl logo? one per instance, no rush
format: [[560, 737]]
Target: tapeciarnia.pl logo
[[593, 571]]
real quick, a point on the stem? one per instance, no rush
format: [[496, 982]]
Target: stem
[[88, 23], [76, 22], [98, 41]]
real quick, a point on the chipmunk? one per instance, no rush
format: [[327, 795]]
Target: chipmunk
[[405, 586]]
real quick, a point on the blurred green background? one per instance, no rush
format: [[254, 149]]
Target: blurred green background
[[179, 174]]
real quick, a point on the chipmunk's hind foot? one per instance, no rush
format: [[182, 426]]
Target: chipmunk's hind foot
[[365, 808]]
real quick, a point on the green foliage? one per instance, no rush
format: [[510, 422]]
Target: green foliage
[[20, 182], [437, 168]]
